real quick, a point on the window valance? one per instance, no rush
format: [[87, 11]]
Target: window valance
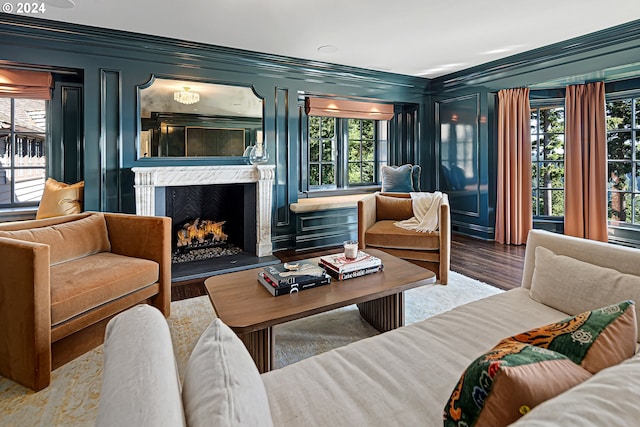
[[25, 84], [326, 107]]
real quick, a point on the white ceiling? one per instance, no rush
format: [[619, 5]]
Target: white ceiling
[[413, 37]]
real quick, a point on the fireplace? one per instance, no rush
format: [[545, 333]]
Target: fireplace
[[238, 196]]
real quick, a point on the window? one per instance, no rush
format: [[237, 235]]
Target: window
[[362, 152], [345, 152], [623, 160], [547, 155], [322, 151], [22, 151]]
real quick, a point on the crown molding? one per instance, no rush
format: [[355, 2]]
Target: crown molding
[[20, 30], [593, 45]]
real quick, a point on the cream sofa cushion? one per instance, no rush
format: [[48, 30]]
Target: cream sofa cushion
[[574, 286], [373, 382], [222, 386], [139, 361]]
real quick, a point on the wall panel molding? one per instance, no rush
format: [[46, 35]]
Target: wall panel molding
[[110, 139], [71, 133], [283, 156], [461, 149]]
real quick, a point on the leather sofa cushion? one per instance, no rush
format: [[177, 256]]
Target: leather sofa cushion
[[80, 285], [69, 240], [383, 234], [395, 208]]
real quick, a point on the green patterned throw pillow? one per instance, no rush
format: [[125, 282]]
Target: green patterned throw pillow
[[524, 370], [502, 385], [594, 339]]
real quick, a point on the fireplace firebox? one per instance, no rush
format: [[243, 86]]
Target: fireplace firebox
[[237, 195]]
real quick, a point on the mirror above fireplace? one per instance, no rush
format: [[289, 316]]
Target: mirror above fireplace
[[180, 118]]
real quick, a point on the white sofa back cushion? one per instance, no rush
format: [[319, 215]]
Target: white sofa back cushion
[[573, 286], [602, 254], [222, 386], [139, 361]]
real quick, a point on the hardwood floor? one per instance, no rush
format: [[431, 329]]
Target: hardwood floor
[[490, 262]]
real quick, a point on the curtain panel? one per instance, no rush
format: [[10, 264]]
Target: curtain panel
[[586, 162], [514, 216], [25, 84]]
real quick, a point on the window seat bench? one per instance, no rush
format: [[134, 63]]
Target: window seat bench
[[313, 204]]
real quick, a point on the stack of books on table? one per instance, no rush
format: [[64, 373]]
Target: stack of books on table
[[340, 267], [292, 277]]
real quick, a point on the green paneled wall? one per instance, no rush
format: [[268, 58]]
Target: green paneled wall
[[612, 55], [112, 64]]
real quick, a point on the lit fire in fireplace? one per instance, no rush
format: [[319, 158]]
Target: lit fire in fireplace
[[201, 233]]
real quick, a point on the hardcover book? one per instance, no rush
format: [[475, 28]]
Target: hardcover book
[[340, 264], [300, 272], [293, 288], [355, 273]]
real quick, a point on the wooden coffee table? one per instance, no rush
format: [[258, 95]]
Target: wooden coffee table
[[251, 311]]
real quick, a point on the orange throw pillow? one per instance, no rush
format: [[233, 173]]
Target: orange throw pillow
[[60, 199]]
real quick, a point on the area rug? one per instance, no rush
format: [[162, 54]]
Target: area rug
[[72, 398]]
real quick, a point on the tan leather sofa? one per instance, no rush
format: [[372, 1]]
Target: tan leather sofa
[[376, 216], [63, 278]]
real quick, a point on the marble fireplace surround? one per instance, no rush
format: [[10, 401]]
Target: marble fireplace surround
[[147, 179]]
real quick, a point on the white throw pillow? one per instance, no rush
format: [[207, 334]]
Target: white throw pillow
[[575, 286], [222, 386]]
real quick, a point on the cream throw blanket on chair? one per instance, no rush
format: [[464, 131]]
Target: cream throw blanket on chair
[[426, 208]]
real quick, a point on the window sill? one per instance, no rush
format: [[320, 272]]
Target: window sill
[[339, 192], [18, 214]]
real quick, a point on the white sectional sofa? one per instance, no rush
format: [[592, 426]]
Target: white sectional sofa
[[400, 378]]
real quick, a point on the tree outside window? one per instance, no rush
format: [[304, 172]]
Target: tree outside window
[[547, 155], [322, 151], [345, 152], [362, 152], [623, 158]]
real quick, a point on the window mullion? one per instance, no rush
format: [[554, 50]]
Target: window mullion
[[342, 157]]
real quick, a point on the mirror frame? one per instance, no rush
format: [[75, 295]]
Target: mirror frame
[[217, 159]]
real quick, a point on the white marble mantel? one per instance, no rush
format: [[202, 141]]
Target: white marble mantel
[[148, 178]]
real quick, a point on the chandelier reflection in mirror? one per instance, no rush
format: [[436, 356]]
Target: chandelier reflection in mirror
[[186, 96], [226, 120]]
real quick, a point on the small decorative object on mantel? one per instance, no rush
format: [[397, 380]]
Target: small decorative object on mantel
[[258, 154], [340, 267], [289, 278]]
